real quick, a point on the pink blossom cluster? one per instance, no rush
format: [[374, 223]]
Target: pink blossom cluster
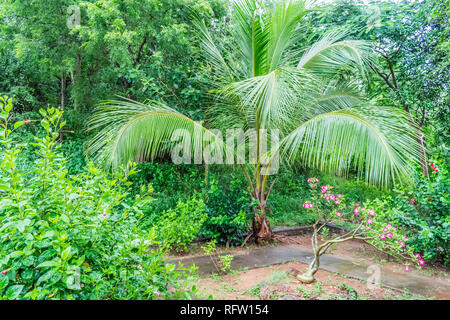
[[329, 197], [433, 167], [421, 261], [308, 205], [313, 180], [388, 234], [388, 230]]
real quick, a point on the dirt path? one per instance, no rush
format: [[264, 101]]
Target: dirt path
[[350, 260]]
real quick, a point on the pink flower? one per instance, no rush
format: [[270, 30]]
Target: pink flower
[[104, 212], [389, 235], [356, 212], [339, 195], [369, 221], [26, 121], [406, 269], [368, 227], [405, 237], [371, 212], [338, 213], [422, 262], [5, 271], [419, 256], [337, 202], [402, 244], [382, 236], [307, 205], [357, 204]]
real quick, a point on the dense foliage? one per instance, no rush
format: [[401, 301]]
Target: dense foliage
[[424, 211], [72, 55], [74, 236]]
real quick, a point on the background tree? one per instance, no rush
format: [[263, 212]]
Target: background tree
[[411, 41]]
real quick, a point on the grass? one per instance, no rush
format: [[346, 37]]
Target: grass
[[255, 290], [406, 295], [305, 292], [278, 277]]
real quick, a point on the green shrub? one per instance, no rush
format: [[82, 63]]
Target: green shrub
[[178, 227], [228, 210], [74, 237], [423, 209]]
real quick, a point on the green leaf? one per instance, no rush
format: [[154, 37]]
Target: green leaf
[[8, 107], [18, 124], [44, 277], [65, 254], [48, 264], [13, 292], [3, 282]]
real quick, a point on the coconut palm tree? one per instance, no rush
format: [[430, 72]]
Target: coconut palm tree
[[267, 79]]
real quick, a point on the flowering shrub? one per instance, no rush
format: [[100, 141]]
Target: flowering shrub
[[74, 237], [371, 226], [423, 210]]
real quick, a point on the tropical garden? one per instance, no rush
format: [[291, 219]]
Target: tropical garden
[[148, 147]]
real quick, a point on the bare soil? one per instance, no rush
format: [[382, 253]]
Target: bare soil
[[279, 282]]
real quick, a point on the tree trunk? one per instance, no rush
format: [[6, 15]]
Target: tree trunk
[[74, 79], [261, 226], [423, 157], [63, 92], [308, 276]]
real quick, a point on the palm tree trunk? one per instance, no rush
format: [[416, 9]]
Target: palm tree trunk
[[261, 225]]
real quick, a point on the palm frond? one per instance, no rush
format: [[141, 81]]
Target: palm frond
[[252, 35], [212, 55], [272, 96], [329, 97], [284, 20], [330, 54], [133, 131], [376, 141]]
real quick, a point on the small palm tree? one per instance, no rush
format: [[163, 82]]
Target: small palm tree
[[267, 80]]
